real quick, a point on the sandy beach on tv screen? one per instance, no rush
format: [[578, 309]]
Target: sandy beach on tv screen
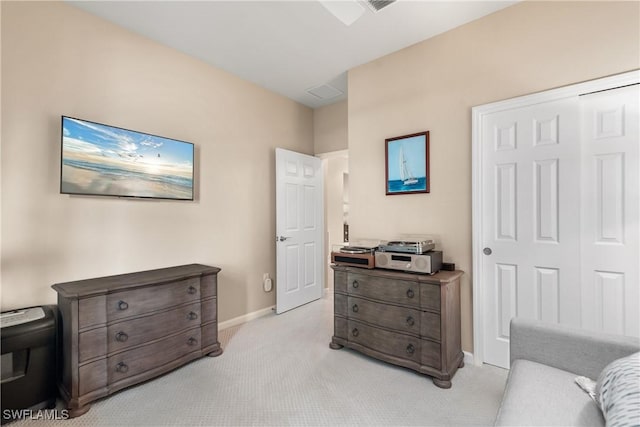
[[84, 181]]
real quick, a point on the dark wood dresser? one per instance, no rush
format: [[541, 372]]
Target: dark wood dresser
[[118, 331], [410, 320]]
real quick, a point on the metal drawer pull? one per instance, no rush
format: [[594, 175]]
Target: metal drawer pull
[[122, 305], [122, 368], [411, 349], [192, 290], [355, 284], [122, 336], [410, 321], [355, 308], [192, 316], [355, 332], [192, 341], [410, 293]]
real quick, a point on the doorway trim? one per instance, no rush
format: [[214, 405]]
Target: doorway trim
[[326, 157], [477, 169]]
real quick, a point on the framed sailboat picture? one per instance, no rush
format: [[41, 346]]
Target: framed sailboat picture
[[407, 164]]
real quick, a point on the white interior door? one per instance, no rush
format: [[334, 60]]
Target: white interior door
[[299, 229], [556, 213]]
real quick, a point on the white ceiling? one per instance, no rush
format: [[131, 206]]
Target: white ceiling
[[288, 47]]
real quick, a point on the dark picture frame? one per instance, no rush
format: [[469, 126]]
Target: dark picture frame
[[407, 164]]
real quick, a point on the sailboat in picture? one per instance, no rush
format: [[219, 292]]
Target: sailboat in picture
[[405, 174], [407, 164]]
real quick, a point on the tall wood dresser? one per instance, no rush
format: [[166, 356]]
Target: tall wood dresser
[[118, 331], [409, 320]]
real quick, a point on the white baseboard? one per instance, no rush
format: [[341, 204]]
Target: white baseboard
[[468, 358], [245, 318]]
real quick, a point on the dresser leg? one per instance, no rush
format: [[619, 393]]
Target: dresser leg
[[215, 353], [334, 346], [442, 383], [76, 412], [461, 365]]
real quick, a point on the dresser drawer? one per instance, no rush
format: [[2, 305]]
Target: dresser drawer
[[209, 310], [403, 319], [151, 298], [430, 296], [340, 281], [209, 334], [92, 376], [92, 344], [431, 354], [340, 304], [340, 327], [92, 312], [129, 333], [141, 359], [209, 286], [430, 325], [384, 289], [391, 343]]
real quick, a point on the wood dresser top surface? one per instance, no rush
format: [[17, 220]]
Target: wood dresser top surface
[[104, 285], [441, 277]]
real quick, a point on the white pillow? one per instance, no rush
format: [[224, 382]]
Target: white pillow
[[618, 392], [589, 386]]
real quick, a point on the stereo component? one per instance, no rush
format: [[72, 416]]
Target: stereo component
[[409, 245], [359, 253], [427, 263], [354, 259]]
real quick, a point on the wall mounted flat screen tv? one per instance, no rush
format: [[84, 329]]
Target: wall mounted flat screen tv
[[101, 160]]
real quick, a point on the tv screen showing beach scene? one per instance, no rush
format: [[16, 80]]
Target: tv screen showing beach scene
[[101, 160]]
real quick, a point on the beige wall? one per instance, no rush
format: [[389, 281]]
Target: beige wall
[[59, 60], [330, 128], [432, 86]]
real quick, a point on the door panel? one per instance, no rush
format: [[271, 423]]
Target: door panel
[[611, 211]]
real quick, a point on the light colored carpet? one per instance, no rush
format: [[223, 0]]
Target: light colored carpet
[[279, 370]]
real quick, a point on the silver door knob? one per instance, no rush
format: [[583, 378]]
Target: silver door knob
[[486, 251], [282, 238]]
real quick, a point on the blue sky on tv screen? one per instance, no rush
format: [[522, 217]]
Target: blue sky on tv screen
[[125, 145]]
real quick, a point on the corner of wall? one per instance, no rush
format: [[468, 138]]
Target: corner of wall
[[330, 128]]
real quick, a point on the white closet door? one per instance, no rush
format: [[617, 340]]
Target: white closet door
[[531, 219], [611, 211], [560, 216]]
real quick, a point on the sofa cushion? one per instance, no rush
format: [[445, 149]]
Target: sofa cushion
[[540, 395], [618, 392]]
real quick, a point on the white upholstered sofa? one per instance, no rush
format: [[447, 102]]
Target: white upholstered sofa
[[545, 360]]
